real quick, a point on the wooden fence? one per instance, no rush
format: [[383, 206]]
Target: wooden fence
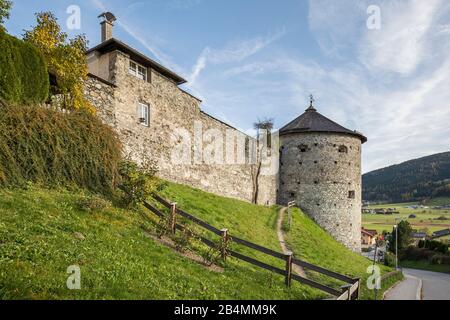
[[349, 291]]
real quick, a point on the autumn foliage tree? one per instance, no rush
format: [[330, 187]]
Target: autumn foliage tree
[[65, 58]]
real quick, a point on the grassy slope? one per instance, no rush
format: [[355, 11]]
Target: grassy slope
[[311, 243], [117, 261], [258, 224]]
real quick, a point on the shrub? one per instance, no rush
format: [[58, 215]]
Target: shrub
[[47, 146], [23, 74], [415, 254], [389, 259], [93, 204], [137, 182], [440, 259], [434, 246]]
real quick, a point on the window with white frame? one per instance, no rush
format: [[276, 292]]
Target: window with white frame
[[137, 70], [144, 114]]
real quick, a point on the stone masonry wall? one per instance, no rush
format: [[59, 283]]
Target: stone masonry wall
[[324, 182], [173, 113], [101, 95]]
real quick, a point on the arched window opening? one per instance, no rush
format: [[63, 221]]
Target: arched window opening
[[343, 149]]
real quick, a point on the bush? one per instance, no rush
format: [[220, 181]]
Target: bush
[[389, 259], [416, 254], [47, 146], [434, 246], [23, 74], [93, 204], [137, 182], [443, 259]]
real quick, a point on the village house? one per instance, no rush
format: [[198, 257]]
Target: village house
[[368, 237]]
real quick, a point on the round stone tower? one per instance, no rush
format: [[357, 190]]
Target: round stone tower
[[320, 169]]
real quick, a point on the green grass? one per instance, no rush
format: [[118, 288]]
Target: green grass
[[426, 219], [425, 265], [438, 201], [118, 260], [312, 244]]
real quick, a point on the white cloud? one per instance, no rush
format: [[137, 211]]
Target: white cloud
[[400, 45], [234, 52]]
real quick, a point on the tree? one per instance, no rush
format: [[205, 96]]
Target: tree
[[66, 60], [263, 127], [404, 236], [23, 73], [5, 8]]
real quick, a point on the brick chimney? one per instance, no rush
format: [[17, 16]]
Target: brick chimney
[[107, 23]]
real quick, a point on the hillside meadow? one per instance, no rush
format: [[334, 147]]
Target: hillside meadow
[[44, 231]]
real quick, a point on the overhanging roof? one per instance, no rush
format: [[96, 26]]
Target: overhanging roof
[[114, 44], [312, 121]]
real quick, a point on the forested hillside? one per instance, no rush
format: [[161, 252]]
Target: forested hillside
[[412, 180]]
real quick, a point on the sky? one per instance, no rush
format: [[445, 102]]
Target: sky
[[379, 67]]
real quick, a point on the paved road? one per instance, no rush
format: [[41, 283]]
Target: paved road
[[421, 284], [435, 285]]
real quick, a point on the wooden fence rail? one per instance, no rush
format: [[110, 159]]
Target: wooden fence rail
[[349, 291]]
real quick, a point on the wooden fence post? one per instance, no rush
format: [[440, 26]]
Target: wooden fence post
[[346, 287], [224, 243], [173, 216], [358, 295], [288, 275], [290, 204]]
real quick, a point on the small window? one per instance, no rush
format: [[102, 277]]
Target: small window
[[138, 71], [351, 194], [144, 114], [303, 148], [343, 149], [133, 68], [142, 73]]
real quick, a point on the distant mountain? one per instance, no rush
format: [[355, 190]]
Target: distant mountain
[[412, 180]]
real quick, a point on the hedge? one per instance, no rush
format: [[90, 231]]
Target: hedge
[[23, 74], [51, 147]]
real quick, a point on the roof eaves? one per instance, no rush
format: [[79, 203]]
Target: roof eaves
[[114, 43]]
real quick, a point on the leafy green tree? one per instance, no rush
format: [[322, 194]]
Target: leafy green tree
[[5, 8], [404, 236], [65, 59], [23, 73]]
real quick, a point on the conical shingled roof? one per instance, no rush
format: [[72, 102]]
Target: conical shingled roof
[[312, 121]]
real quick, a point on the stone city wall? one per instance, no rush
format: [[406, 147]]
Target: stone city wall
[[176, 124]]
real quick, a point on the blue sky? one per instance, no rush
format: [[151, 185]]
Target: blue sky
[[258, 58]]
